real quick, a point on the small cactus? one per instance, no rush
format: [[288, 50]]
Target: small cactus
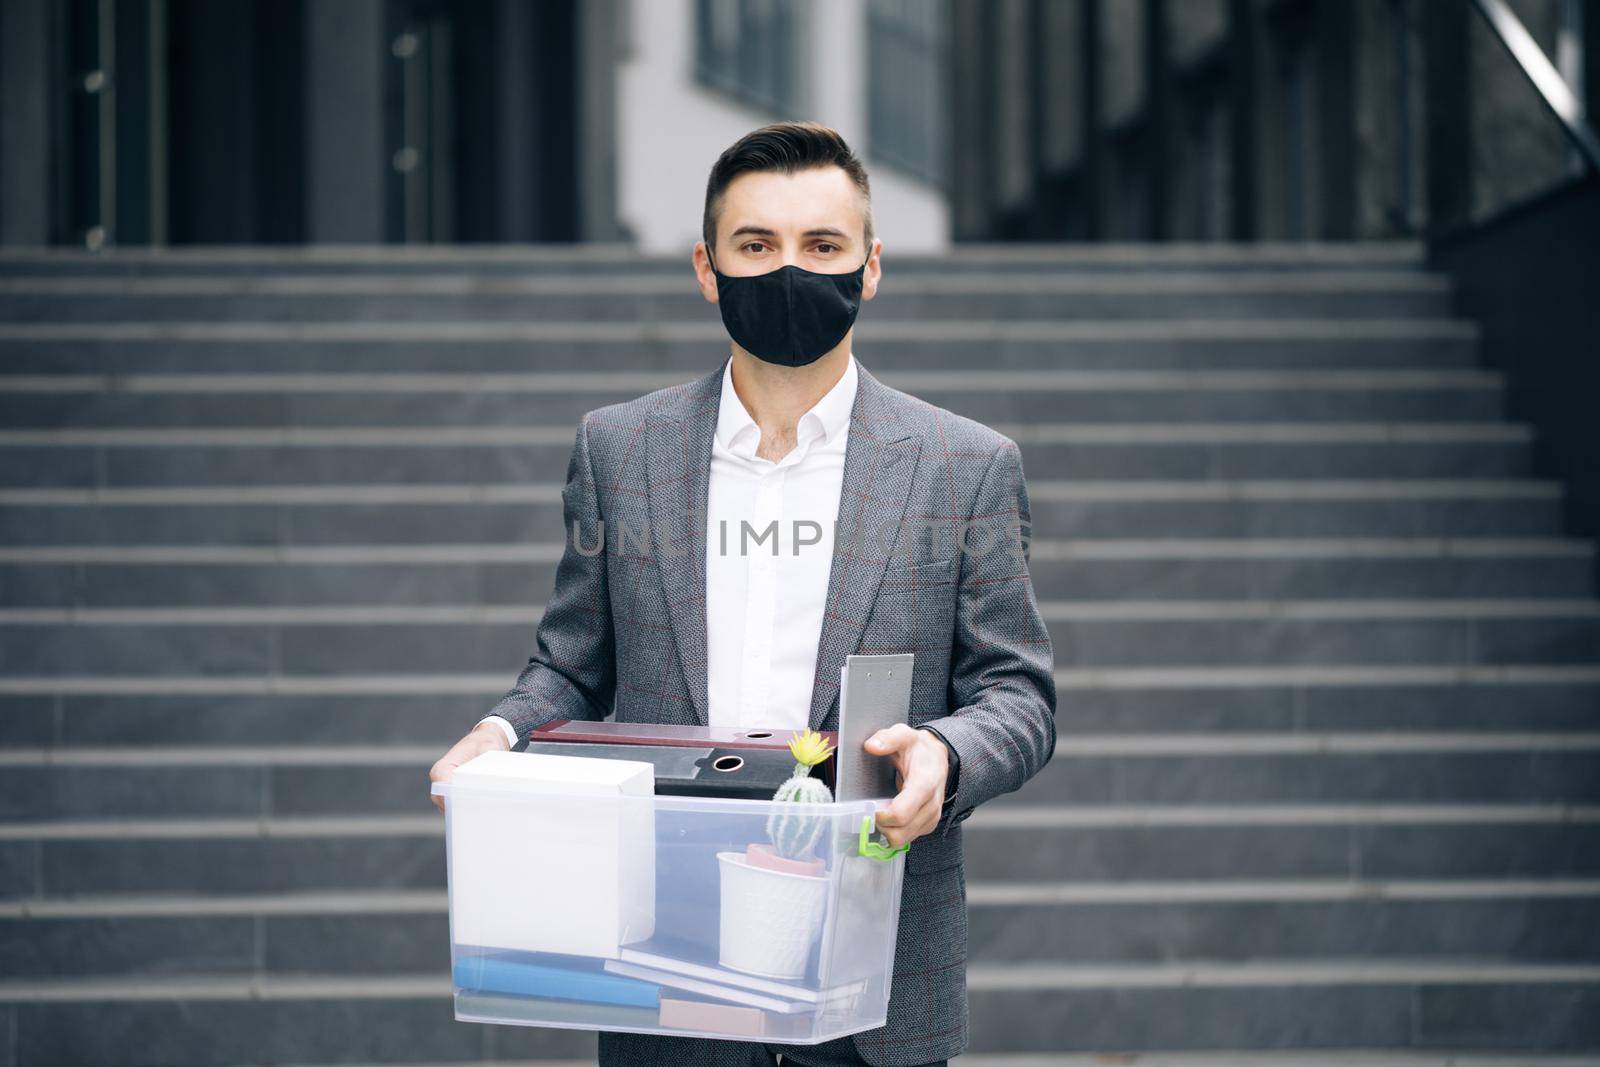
[[795, 836]]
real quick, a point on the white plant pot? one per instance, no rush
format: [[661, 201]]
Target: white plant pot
[[769, 918]]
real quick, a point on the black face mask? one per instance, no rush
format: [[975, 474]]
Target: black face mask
[[790, 316]]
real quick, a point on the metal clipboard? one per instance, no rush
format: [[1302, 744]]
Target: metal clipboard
[[874, 693]]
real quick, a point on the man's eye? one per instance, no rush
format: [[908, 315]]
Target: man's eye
[[829, 247]]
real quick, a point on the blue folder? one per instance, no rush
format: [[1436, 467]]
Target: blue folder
[[500, 974]]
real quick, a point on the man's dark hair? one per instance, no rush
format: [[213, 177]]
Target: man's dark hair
[[786, 147]]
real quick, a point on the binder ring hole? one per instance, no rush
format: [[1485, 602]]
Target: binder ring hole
[[727, 763]]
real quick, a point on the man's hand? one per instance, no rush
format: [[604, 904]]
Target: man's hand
[[484, 737], [921, 766]]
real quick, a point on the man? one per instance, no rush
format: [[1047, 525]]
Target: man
[[723, 594]]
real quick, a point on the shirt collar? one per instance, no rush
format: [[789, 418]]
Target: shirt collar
[[827, 418]]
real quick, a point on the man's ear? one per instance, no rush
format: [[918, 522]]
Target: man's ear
[[869, 284], [707, 280]]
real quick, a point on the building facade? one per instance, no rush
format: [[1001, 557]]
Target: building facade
[[138, 122]]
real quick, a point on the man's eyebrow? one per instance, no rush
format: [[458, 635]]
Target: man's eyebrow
[[762, 231]]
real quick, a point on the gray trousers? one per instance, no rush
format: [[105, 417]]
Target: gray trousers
[[656, 1050]]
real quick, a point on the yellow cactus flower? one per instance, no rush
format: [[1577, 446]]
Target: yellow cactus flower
[[809, 748]]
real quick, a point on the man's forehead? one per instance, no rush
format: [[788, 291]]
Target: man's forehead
[[768, 204]]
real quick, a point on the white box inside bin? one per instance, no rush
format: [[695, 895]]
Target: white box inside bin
[[578, 879]]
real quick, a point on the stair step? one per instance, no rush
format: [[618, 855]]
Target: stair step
[[72, 411], [81, 781], [307, 642], [73, 711], [1526, 921], [487, 513], [133, 350], [1073, 611], [1290, 641], [1549, 698], [1238, 767], [679, 302], [473, 637], [480, 514], [1173, 568], [289, 1020], [1035, 435], [219, 1018], [954, 278], [1002, 843], [1196, 1004], [654, 297], [1028, 257], [1521, 921], [1276, 1058], [1338, 679], [1015, 842], [186, 459], [1359, 1003], [41, 459], [525, 422]]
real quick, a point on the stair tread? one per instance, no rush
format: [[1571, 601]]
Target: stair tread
[[980, 977]]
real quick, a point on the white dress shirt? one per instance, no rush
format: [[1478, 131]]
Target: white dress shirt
[[769, 550]]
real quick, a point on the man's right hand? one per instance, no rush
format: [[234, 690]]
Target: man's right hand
[[485, 737]]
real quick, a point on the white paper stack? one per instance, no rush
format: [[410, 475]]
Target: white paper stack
[[547, 856]]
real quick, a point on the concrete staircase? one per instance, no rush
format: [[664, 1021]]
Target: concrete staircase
[[275, 528]]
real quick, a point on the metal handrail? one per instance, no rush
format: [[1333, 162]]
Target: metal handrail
[[1547, 80]]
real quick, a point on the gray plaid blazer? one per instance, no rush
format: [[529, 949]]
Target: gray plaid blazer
[[624, 630]]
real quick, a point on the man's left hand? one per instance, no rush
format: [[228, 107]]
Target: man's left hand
[[921, 766]]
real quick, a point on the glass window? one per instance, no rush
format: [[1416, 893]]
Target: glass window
[[906, 82], [749, 50]]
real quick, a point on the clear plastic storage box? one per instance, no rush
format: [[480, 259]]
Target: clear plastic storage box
[[612, 908]]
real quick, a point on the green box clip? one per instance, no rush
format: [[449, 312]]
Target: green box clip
[[875, 850]]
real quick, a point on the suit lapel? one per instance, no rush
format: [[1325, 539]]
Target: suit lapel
[[678, 441], [880, 461]]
